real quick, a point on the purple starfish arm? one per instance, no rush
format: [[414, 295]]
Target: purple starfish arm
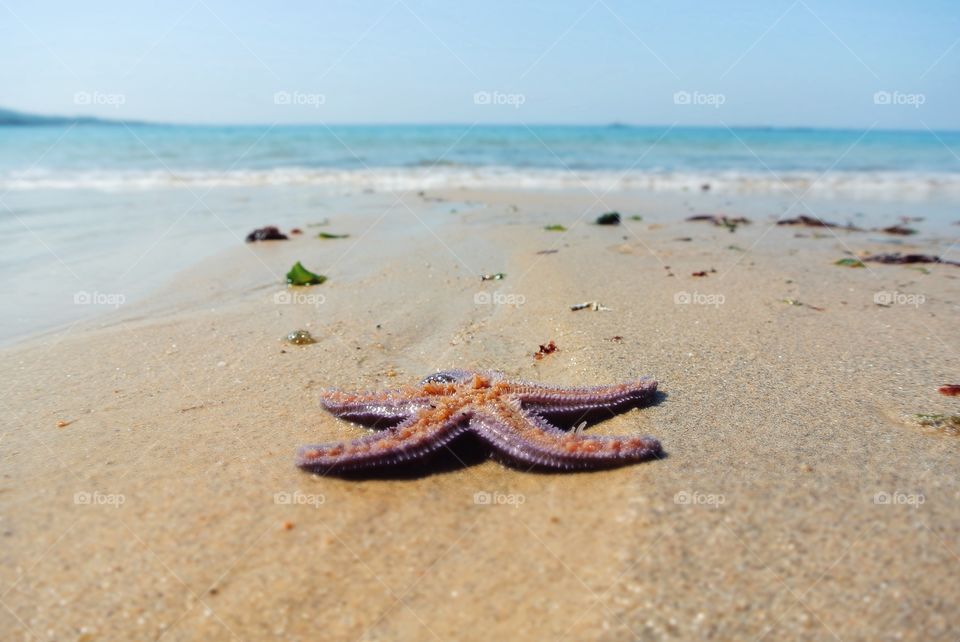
[[524, 438], [414, 438], [372, 408], [557, 399]]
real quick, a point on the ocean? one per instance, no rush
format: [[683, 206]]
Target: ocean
[[903, 165]]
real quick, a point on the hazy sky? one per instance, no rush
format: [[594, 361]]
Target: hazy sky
[[767, 62]]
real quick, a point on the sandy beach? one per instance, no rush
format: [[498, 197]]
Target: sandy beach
[[149, 490]]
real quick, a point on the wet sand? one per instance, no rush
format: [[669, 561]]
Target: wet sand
[[799, 498]]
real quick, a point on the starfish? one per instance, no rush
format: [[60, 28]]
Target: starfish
[[507, 415]]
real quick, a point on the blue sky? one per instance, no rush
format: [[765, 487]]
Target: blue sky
[[777, 62]]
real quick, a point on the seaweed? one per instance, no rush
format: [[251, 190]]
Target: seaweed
[[328, 235], [949, 424], [268, 233], [555, 228], [813, 221], [850, 262], [299, 275], [609, 218], [896, 258], [544, 350], [498, 276], [901, 230], [721, 220]]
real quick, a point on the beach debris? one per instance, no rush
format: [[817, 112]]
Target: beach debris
[[803, 305], [736, 248], [555, 228], [950, 389], [544, 350], [596, 306], [428, 415], [547, 251], [268, 233], [328, 235], [296, 230], [704, 272], [300, 338], [901, 230], [497, 276], [813, 221], [287, 526], [636, 217], [705, 187], [850, 262], [609, 218], [683, 239], [616, 339], [721, 220], [949, 424], [896, 258], [299, 275], [64, 424]]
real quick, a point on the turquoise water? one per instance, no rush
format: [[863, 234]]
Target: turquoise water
[[405, 157]]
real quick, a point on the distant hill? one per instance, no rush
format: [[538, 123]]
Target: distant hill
[[9, 118]]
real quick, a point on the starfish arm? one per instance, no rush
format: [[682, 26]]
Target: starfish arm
[[525, 438], [373, 407], [411, 439], [556, 399]]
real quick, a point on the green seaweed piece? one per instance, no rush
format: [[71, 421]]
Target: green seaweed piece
[[328, 235], [636, 217], [949, 424], [555, 228], [848, 262], [299, 275]]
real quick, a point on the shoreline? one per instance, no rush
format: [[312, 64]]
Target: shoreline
[[788, 418], [233, 212]]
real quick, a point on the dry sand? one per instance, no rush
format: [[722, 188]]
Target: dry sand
[[169, 507]]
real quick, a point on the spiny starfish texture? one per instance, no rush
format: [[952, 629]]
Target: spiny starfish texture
[[508, 415]]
